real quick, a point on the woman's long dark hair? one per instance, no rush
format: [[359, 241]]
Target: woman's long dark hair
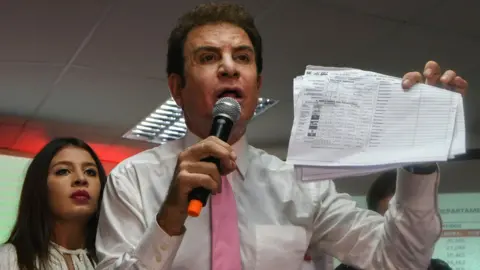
[[34, 225]]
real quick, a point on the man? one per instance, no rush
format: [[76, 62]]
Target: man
[[379, 196], [216, 51]]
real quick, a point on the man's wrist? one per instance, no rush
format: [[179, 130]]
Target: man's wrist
[[172, 220], [422, 169]]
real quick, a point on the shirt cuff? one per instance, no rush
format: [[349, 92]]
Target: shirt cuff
[[417, 191], [157, 249], [422, 168]]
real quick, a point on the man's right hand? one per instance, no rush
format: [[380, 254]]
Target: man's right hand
[[190, 173]]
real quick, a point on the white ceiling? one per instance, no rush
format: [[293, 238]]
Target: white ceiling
[[102, 63]]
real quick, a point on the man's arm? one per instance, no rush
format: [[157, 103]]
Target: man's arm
[[124, 239], [403, 239]]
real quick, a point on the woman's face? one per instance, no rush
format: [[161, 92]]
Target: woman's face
[[73, 184]]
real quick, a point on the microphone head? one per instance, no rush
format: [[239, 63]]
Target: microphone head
[[228, 107]]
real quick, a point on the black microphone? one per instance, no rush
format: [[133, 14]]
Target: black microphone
[[225, 113]]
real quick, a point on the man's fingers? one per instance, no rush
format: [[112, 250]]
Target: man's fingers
[[410, 79], [432, 72], [209, 148]]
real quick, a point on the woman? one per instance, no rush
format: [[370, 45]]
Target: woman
[[58, 211]]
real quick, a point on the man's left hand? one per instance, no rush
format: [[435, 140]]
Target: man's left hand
[[432, 75]]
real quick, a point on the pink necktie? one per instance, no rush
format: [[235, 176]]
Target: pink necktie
[[225, 236]]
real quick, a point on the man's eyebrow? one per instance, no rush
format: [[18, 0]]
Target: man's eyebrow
[[245, 48], [216, 49], [206, 48]]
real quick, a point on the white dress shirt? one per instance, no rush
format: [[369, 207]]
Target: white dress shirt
[[80, 259], [279, 218]]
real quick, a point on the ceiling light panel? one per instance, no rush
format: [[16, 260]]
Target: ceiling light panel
[[166, 123]]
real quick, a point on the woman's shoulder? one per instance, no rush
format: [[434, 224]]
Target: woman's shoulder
[[8, 256], [7, 249]]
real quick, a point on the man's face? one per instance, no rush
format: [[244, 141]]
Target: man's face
[[219, 62]]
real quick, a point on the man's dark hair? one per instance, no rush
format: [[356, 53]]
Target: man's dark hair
[[345, 267], [205, 14], [437, 264], [383, 187]]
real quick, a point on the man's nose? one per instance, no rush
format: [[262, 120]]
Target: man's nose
[[228, 68]]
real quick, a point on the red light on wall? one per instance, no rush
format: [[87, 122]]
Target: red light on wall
[[28, 142]]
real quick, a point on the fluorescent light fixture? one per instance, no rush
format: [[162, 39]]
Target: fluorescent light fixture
[[166, 123]]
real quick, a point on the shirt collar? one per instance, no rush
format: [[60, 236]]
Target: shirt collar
[[240, 148]]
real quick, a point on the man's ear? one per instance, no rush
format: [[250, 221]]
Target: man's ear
[[259, 83], [175, 85]]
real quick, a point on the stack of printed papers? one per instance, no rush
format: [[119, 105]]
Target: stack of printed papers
[[351, 122]]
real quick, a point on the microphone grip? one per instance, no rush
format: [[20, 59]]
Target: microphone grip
[[198, 197]]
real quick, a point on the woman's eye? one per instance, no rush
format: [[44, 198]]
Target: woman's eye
[[91, 172], [62, 172]]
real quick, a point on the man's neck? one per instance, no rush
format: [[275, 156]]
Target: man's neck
[[235, 136], [69, 234]]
